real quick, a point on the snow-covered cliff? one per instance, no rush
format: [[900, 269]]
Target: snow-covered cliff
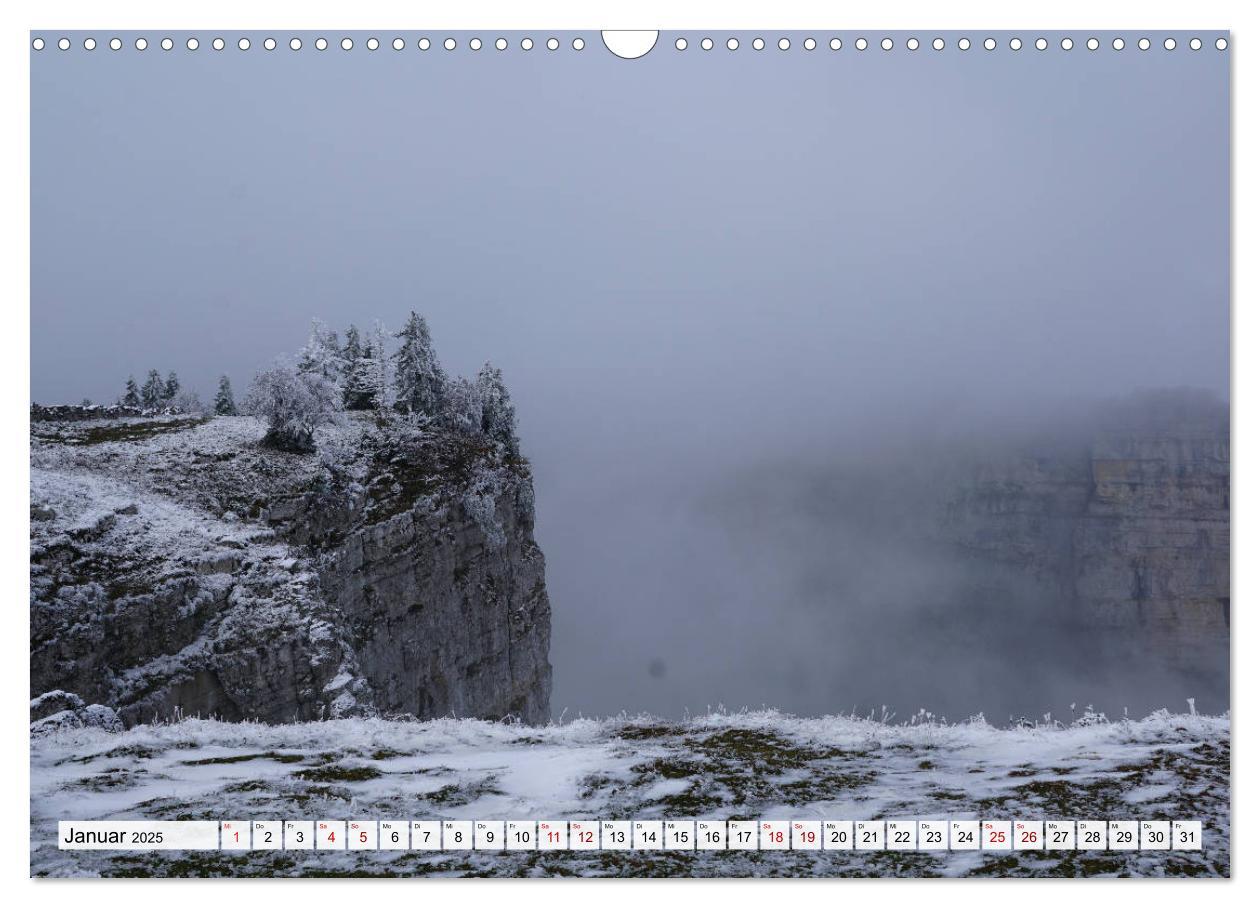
[[178, 567]]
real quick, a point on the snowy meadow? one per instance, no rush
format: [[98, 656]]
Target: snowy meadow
[[750, 765]]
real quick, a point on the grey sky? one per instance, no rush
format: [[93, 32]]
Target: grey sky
[[682, 264]]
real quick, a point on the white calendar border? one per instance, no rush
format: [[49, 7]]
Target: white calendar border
[[571, 14]]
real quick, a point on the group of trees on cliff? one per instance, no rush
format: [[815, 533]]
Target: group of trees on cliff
[[156, 394], [363, 373]]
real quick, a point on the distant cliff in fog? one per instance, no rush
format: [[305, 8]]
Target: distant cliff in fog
[[1128, 523]]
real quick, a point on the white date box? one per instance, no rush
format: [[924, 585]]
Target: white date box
[[266, 835], [553, 835], [330, 835], [584, 835], [680, 835], [807, 835], [299, 835], [933, 835], [775, 835], [648, 835], [361, 835], [1155, 835], [900, 835], [710, 835], [522, 835], [426, 835], [1187, 835], [234, 835], [995, 835], [868, 835], [616, 835], [1060, 835], [837, 835], [741, 835], [392, 835], [1029, 835], [457, 835], [1091, 835], [1122, 835], [964, 835], [488, 835]]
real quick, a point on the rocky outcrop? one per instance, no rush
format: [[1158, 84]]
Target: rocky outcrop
[[58, 710], [152, 608], [186, 570]]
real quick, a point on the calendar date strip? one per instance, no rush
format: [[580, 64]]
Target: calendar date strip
[[631, 835]]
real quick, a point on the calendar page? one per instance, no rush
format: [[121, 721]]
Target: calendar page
[[681, 453]]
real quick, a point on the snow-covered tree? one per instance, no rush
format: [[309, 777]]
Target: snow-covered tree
[[131, 396], [498, 415], [381, 378], [353, 348], [358, 386], [294, 403], [360, 389], [418, 378], [322, 355], [461, 406], [224, 402], [170, 390], [153, 390]]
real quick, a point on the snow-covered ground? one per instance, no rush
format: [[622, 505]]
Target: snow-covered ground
[[721, 766], [216, 466]]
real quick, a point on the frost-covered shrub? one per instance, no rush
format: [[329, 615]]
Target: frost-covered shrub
[[525, 501], [1090, 717], [480, 507], [478, 502], [294, 404], [189, 402], [322, 355]]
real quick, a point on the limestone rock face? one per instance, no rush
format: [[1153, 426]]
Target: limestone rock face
[[395, 572], [444, 620], [1129, 527]]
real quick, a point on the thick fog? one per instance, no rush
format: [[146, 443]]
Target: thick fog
[[751, 307]]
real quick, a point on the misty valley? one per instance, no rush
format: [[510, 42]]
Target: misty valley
[[1028, 571]]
